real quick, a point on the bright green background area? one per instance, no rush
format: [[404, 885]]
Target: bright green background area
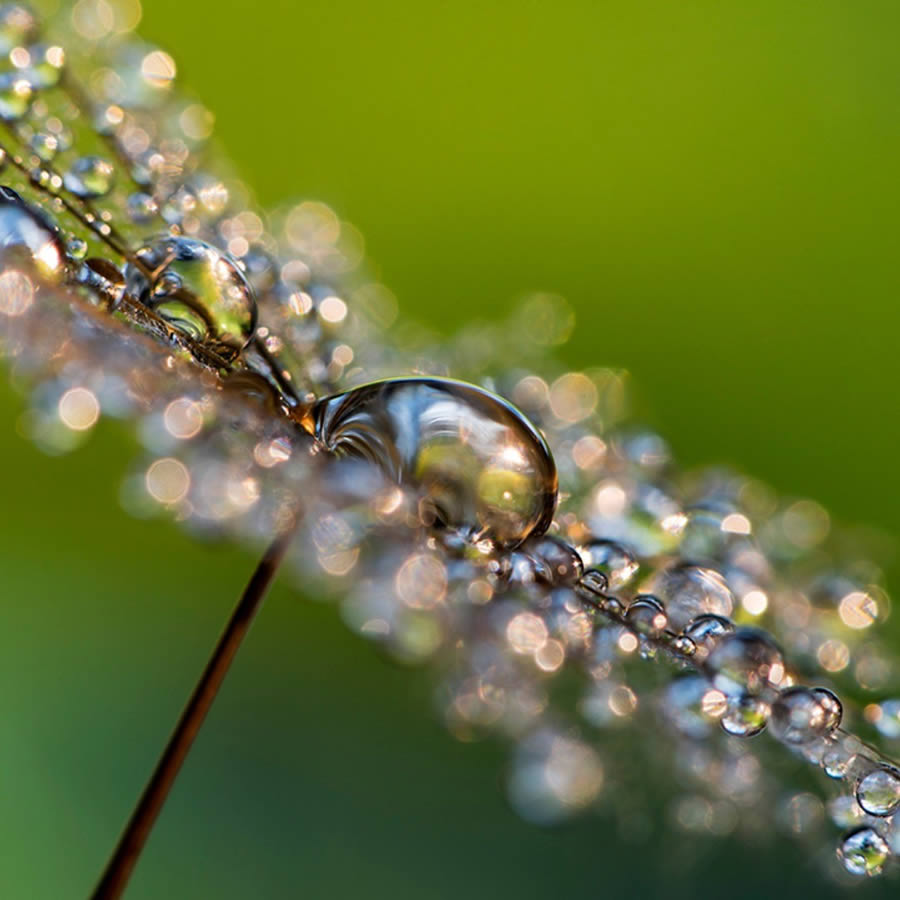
[[712, 185]]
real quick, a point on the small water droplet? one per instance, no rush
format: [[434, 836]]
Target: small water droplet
[[682, 705], [141, 208], [557, 559], [90, 176], [594, 582], [878, 793], [26, 231], [616, 561], [44, 145], [801, 714], [747, 662], [201, 290], [646, 615], [689, 591], [863, 852], [76, 248], [745, 716], [480, 464], [706, 629], [15, 96]]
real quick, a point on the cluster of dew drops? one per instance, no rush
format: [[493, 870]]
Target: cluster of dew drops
[[537, 550]]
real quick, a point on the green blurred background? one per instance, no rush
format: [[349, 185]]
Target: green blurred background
[[712, 186]]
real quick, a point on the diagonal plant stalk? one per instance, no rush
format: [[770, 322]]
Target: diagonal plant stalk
[[118, 870]]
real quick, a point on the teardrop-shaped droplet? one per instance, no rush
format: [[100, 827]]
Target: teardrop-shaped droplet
[[90, 176], [480, 464], [27, 233], [200, 289]]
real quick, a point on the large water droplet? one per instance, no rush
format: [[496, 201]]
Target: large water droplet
[[198, 288], [878, 793], [802, 714], [480, 464], [90, 176], [26, 232], [863, 852]]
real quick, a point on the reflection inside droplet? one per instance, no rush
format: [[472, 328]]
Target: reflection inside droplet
[[481, 466]]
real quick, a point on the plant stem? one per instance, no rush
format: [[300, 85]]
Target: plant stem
[[125, 856]]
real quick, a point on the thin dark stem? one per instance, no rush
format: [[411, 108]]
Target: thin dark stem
[[125, 856]]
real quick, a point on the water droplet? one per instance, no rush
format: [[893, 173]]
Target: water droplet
[[689, 591], [682, 706], [45, 66], [197, 287], [554, 776], [801, 714], [705, 630], [141, 208], [44, 145], [878, 793], [26, 231], [646, 615], [76, 248], [480, 464], [888, 719], [614, 560], [18, 26], [863, 852], [594, 582], [15, 96], [745, 716], [90, 176], [559, 563], [746, 661]]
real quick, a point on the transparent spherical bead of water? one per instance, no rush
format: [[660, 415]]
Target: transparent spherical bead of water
[[878, 792], [689, 591], [802, 714], [27, 234], [646, 615], [745, 716], [89, 177], [198, 288], [479, 464], [747, 661], [705, 630], [616, 561], [863, 852], [558, 562]]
